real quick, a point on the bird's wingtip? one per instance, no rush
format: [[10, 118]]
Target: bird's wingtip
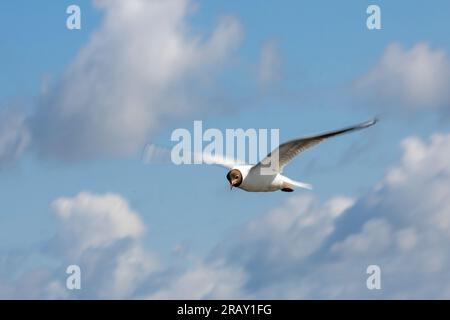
[[369, 123]]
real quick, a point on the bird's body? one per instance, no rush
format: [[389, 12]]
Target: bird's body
[[254, 181], [266, 175]]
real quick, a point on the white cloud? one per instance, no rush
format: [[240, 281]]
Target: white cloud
[[402, 226], [133, 269], [35, 284], [142, 66], [289, 233], [269, 64], [205, 281], [415, 78], [91, 221], [14, 137], [303, 249], [100, 234]]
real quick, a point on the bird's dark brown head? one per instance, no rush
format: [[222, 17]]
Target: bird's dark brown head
[[234, 177]]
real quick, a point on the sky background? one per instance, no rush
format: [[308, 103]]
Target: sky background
[[78, 107]]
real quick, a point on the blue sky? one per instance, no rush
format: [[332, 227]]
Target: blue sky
[[330, 74]]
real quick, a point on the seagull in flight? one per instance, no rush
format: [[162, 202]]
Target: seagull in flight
[[266, 175]]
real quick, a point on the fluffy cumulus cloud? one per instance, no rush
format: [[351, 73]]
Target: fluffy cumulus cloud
[[93, 221], [143, 65], [286, 235], [14, 137], [415, 78], [102, 235], [310, 250]]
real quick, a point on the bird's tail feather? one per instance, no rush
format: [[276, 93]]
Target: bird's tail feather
[[300, 184]]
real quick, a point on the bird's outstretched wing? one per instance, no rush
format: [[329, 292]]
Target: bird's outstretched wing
[[219, 160], [285, 152], [154, 154]]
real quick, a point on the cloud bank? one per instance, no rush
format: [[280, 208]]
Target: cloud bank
[[143, 65], [305, 248], [309, 249]]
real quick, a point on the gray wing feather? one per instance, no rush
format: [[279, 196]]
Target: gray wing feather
[[290, 149]]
